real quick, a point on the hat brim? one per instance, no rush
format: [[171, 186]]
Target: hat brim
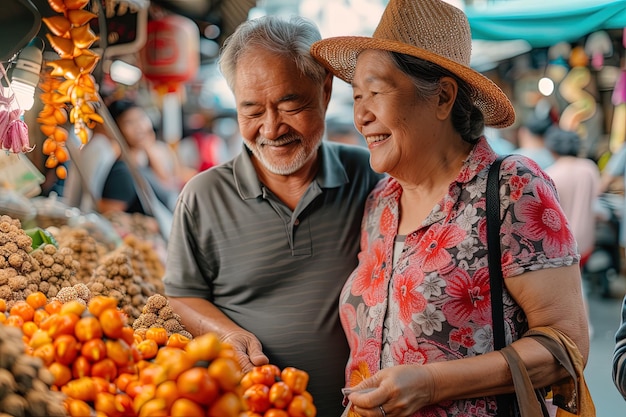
[[339, 55]]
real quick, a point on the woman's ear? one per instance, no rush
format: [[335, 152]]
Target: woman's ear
[[447, 97]]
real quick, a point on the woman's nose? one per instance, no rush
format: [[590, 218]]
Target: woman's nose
[[362, 115]]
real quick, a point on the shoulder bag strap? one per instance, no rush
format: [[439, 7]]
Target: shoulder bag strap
[[528, 399], [505, 402], [494, 255]]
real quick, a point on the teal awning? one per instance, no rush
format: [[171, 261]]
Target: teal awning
[[544, 23]]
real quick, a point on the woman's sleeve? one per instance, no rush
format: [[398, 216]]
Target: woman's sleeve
[[619, 355], [535, 233]]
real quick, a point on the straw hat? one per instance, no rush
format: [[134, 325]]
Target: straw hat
[[428, 29]]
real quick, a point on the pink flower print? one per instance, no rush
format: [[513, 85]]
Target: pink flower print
[[470, 300], [347, 314], [542, 219], [517, 184], [405, 292], [368, 353], [463, 336], [409, 351], [436, 241], [387, 223], [370, 280]]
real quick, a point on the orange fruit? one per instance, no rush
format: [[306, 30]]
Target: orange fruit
[[23, 309], [158, 334], [256, 398], [29, 328], [280, 394], [168, 390], [203, 348], [197, 385], [36, 299], [276, 412], [227, 405], [112, 321], [88, 328], [77, 408], [184, 407], [62, 374], [226, 372], [300, 406]]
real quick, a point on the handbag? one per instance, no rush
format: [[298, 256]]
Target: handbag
[[570, 395]]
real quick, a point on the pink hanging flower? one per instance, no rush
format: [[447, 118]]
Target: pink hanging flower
[[17, 135], [13, 130], [4, 124]]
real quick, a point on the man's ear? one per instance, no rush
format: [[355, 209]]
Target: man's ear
[[328, 87], [447, 97]]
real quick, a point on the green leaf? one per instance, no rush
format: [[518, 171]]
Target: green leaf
[[40, 237]]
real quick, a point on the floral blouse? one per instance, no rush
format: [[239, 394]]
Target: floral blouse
[[434, 303]]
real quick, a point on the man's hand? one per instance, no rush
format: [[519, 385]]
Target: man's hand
[[247, 348]]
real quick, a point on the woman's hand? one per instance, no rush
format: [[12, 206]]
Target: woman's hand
[[400, 391]]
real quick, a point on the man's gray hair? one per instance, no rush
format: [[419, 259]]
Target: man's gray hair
[[291, 37]]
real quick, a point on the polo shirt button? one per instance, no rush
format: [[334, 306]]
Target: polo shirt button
[[297, 222]]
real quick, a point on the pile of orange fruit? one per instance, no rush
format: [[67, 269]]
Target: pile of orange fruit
[[107, 369], [269, 391]]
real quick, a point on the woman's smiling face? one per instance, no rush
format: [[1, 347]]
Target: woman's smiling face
[[394, 121]]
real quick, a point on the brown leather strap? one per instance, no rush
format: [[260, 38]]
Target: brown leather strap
[[528, 403], [556, 349]]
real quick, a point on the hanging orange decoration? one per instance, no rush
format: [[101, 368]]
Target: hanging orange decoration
[[69, 91]]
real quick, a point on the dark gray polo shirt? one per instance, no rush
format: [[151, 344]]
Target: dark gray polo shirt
[[275, 272]]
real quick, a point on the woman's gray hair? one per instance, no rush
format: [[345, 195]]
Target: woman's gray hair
[[467, 119], [291, 37]]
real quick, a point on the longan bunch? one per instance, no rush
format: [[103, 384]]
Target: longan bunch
[[78, 292], [24, 380], [15, 246], [158, 313], [16, 287], [139, 225], [16, 264], [57, 269], [146, 262], [115, 277], [84, 247], [71, 37]]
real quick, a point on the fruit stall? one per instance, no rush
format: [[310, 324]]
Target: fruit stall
[[85, 328], [86, 331]]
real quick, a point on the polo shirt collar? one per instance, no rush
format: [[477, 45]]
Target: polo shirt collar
[[330, 175]]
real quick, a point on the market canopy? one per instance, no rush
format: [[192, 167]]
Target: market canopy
[[543, 23]]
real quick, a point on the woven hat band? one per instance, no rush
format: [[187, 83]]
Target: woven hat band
[[444, 31]]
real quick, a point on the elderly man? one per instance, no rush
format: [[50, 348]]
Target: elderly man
[[261, 245]]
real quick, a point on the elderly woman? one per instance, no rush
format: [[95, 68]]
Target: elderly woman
[[417, 310]]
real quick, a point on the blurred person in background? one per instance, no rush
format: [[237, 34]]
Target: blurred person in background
[[262, 244], [201, 148], [417, 310], [531, 142], [578, 184], [154, 162]]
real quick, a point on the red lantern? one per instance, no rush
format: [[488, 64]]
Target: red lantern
[[171, 54]]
